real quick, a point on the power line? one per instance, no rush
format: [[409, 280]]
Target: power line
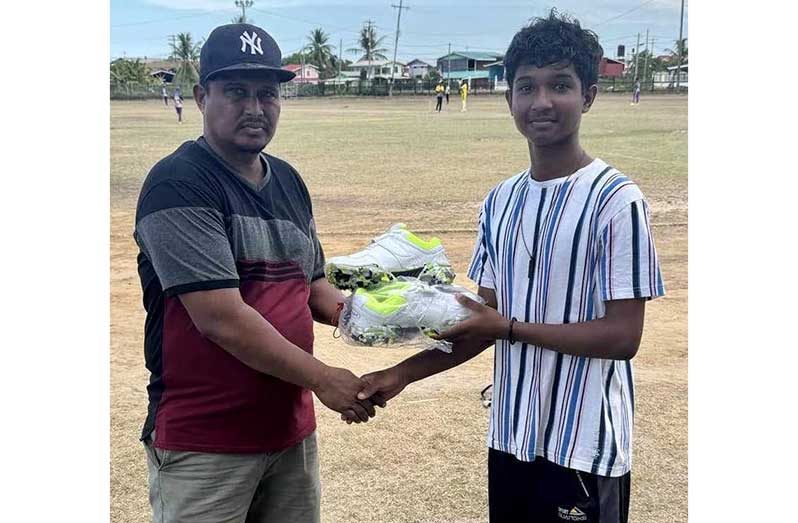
[[195, 15], [632, 10], [616, 38], [305, 21]]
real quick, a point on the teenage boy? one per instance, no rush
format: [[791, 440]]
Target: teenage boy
[[565, 262]]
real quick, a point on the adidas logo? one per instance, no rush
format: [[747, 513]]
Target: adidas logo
[[573, 514]]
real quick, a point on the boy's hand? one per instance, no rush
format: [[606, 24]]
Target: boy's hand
[[337, 390], [380, 387], [484, 323]]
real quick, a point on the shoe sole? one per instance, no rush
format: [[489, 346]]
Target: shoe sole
[[382, 335], [352, 278]]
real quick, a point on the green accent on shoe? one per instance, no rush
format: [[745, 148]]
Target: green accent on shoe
[[427, 245], [385, 299], [391, 287]]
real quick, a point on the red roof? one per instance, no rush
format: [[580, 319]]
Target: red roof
[[610, 67]]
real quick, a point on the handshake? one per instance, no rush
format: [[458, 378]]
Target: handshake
[[355, 398]]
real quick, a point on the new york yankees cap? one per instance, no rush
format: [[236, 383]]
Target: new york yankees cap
[[241, 47]]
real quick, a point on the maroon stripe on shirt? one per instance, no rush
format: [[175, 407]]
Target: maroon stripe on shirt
[[212, 402]]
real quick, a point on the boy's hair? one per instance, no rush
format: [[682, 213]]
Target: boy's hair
[[557, 38]]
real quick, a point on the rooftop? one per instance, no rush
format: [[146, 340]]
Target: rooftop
[[474, 55]]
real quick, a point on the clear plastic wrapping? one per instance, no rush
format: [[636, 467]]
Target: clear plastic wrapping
[[403, 313]]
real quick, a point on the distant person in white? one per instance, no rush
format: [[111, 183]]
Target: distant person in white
[[179, 105]]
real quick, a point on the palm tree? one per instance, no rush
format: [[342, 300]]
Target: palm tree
[[369, 45], [319, 51], [186, 52], [681, 47]]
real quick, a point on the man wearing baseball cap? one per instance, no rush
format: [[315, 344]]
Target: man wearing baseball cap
[[232, 274]]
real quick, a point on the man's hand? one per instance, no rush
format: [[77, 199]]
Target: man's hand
[[338, 389], [379, 387], [483, 324]]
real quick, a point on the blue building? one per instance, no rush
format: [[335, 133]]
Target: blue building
[[481, 70]]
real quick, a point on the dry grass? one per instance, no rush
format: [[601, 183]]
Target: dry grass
[[370, 163]]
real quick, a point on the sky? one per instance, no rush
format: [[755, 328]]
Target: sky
[[141, 28]]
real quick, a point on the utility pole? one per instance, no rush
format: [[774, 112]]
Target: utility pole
[[681, 51], [243, 4], [645, 65], [652, 61], [370, 41], [340, 55], [637, 55], [172, 45], [396, 42], [449, 64]]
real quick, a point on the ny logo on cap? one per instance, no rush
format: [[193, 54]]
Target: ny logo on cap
[[251, 40]]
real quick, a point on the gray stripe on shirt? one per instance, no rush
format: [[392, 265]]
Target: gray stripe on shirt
[[187, 245]]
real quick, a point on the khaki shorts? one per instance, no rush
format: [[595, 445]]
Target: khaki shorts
[[199, 487]]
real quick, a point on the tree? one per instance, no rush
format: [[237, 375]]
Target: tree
[[186, 52], [654, 64], [432, 75], [125, 72], [369, 45], [681, 45], [293, 58], [319, 51]]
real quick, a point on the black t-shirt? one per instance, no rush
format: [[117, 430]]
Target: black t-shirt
[[201, 226]]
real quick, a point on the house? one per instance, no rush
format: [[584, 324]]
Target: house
[[478, 68], [609, 68], [343, 78], [667, 79], [496, 75], [165, 76], [379, 69], [305, 74], [418, 68]]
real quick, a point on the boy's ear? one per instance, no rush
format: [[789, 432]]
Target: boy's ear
[[589, 97]]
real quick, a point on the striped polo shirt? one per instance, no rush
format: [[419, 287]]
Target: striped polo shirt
[[554, 252]]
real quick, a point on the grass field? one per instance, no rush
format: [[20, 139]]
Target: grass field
[[372, 162]]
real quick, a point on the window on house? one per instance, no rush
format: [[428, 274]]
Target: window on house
[[472, 65]]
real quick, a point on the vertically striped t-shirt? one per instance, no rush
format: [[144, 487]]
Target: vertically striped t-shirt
[[555, 252]]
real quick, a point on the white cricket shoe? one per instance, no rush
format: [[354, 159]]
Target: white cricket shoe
[[397, 311], [397, 252]]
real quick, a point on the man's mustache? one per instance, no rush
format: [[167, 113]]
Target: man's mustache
[[255, 122]]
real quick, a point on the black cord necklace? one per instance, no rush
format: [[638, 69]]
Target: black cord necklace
[[533, 252]]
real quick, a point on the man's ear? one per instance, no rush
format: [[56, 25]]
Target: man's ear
[[199, 97], [589, 97], [508, 95]]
